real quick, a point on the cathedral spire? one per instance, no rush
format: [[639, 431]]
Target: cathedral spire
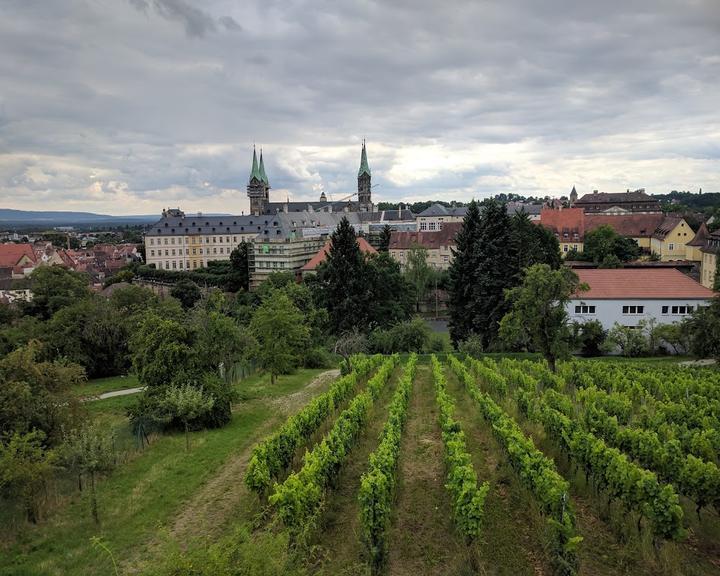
[[255, 172], [364, 168], [263, 176]]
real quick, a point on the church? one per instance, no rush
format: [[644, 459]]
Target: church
[[258, 191]]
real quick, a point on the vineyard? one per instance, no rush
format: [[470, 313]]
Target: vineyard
[[465, 466]]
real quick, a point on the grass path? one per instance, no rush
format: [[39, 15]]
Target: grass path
[[149, 496], [512, 541], [422, 537]]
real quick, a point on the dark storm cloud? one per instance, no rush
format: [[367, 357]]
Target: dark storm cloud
[[129, 106]]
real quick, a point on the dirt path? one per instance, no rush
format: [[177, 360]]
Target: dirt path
[[422, 538], [209, 509], [512, 541]]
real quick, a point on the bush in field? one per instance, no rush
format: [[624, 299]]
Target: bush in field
[[412, 336], [589, 337], [186, 404], [472, 346], [631, 342]]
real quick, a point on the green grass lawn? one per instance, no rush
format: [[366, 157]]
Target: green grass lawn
[[258, 386], [141, 496], [101, 385]]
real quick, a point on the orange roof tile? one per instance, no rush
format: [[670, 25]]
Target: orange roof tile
[[11, 254], [404, 240], [641, 283], [321, 255]]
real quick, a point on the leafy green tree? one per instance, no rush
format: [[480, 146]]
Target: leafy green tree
[[716, 278], [384, 240], [89, 451], [35, 394], [186, 403], [93, 334], [703, 330], [162, 350], [495, 271], [218, 342], [25, 466], [54, 288], [418, 272], [389, 295], [538, 311], [132, 299], [343, 282], [674, 335], [462, 275], [280, 331], [187, 292], [603, 242]]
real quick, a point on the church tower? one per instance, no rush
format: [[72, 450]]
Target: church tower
[[258, 186], [573, 196], [364, 187]]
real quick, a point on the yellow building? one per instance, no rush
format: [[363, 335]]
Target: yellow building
[[670, 239], [438, 244]]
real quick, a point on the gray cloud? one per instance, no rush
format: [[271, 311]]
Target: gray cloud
[[126, 106]]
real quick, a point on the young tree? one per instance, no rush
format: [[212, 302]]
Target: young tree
[[384, 240], [186, 403], [589, 336], [462, 275], [343, 281], [349, 343], [187, 292], [674, 335], [703, 331], [631, 342], [280, 331], [25, 466], [89, 451], [418, 272], [538, 311]]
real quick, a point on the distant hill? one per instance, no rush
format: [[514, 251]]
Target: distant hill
[[9, 217], [691, 200]]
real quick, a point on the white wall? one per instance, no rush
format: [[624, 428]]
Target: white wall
[[610, 311]]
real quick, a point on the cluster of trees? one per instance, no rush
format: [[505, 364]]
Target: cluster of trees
[[492, 251], [606, 248]]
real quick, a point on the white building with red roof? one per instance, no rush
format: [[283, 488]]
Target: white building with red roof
[[629, 295]]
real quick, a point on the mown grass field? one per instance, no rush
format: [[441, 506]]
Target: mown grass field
[[166, 512]]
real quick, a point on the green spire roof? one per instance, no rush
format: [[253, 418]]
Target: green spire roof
[[263, 176], [255, 172], [364, 168]]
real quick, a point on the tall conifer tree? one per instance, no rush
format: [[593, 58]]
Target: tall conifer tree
[[495, 269], [343, 280], [462, 275]]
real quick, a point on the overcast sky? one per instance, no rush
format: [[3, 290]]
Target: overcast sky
[[129, 106]]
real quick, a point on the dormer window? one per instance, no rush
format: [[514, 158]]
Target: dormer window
[[166, 224]]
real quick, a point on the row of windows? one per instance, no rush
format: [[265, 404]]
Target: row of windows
[[586, 309], [175, 265], [215, 240], [187, 251], [431, 226], [565, 247]]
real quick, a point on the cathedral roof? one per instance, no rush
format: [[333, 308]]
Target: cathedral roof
[[263, 176], [255, 172], [364, 168]]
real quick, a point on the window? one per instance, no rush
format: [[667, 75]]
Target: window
[[681, 309], [633, 309], [584, 309], [166, 252], [664, 309], [565, 248], [174, 264], [152, 241], [173, 251], [423, 225], [432, 225], [194, 252], [152, 252], [671, 247]]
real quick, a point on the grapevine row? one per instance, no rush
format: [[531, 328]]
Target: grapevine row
[[298, 500], [638, 489], [274, 455], [535, 470], [468, 499], [377, 485]]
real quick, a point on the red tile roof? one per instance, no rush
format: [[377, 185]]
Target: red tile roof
[[568, 221], [321, 255], [404, 240], [701, 236], [630, 225], [641, 283], [11, 254]]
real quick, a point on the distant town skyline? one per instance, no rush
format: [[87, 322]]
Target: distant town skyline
[[127, 107]]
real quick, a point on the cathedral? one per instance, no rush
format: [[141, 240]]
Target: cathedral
[[258, 191]]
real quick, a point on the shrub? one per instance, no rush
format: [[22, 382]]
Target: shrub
[[412, 336], [317, 358], [473, 346]]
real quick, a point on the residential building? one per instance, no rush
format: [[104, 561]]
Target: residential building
[[568, 226], [708, 263], [618, 203], [17, 260], [312, 265], [434, 217], [629, 295], [439, 245], [693, 249]]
